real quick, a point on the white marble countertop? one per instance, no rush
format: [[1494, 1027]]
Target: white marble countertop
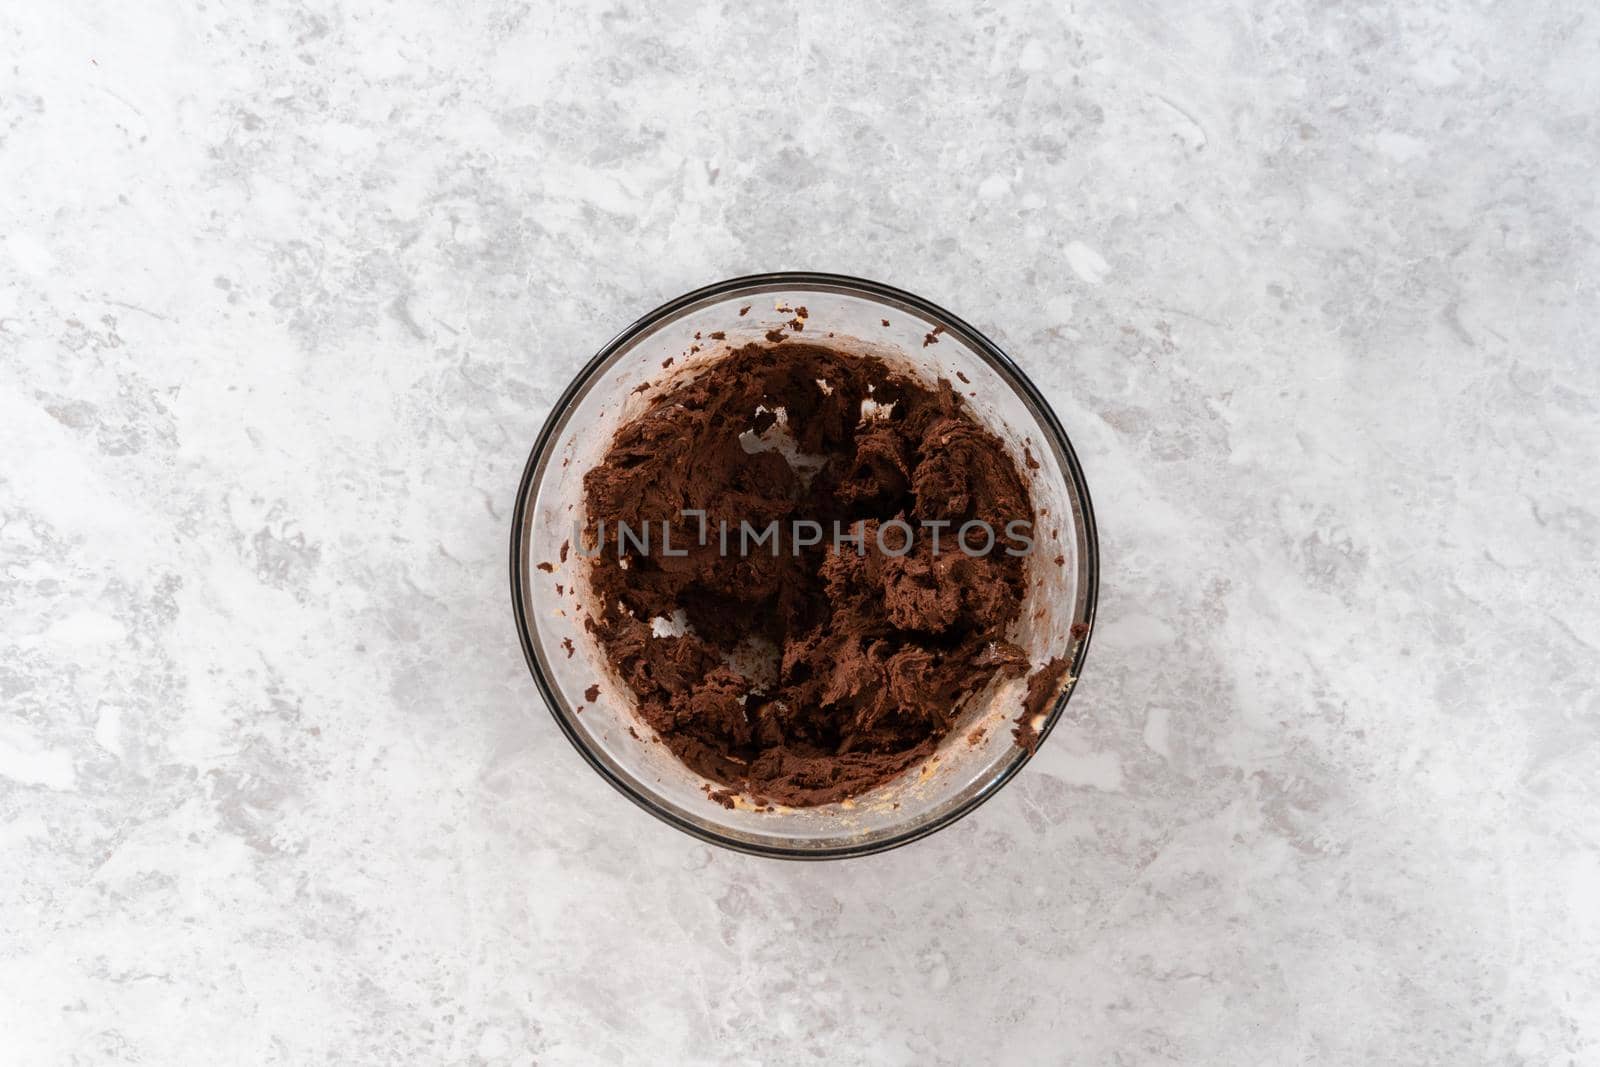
[[286, 291]]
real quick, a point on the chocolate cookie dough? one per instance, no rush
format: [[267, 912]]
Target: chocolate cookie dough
[[818, 672]]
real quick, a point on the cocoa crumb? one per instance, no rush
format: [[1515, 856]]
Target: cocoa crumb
[[548, 568], [592, 693], [566, 643]]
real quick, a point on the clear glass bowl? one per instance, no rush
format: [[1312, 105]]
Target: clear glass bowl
[[547, 590]]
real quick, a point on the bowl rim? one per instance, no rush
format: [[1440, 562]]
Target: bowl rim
[[980, 343]]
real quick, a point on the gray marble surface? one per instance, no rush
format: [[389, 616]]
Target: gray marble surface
[[287, 290]]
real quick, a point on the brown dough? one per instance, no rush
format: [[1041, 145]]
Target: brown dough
[[851, 667]]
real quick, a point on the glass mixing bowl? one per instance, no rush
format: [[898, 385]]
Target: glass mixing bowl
[[548, 584]]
